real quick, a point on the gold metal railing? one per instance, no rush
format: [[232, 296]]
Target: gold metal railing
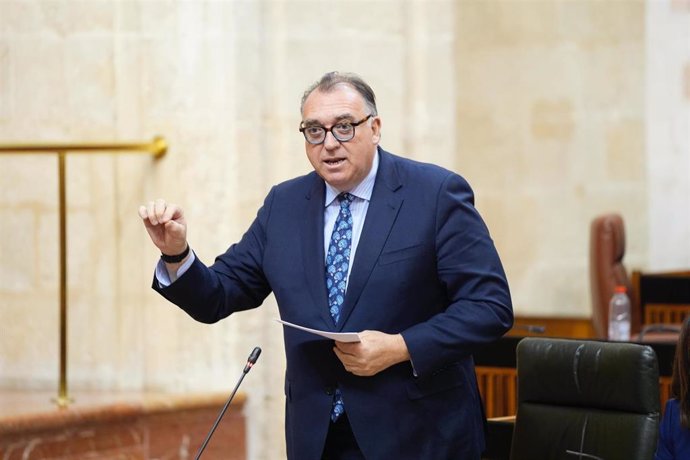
[[157, 147]]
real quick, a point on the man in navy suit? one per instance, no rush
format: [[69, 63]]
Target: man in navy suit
[[416, 274]]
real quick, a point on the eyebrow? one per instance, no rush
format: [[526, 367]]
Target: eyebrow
[[337, 119]]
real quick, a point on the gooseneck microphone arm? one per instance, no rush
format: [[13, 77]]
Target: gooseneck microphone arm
[[250, 363]]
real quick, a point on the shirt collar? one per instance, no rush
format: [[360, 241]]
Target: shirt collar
[[362, 190]]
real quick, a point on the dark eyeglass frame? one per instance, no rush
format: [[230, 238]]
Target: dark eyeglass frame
[[325, 130]]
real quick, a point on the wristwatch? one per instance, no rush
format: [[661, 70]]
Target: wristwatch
[[176, 258]]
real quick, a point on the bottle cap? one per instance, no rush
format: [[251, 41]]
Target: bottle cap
[[620, 289]]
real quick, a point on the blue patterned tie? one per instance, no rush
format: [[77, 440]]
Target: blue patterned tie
[[337, 264]]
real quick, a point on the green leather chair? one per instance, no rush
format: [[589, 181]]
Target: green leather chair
[[585, 400]]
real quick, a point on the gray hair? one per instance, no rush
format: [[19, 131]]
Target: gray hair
[[330, 80]]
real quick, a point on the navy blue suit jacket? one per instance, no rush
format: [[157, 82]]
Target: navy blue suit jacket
[[425, 267]]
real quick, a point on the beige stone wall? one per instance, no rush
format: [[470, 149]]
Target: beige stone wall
[[551, 133], [543, 105], [667, 110]]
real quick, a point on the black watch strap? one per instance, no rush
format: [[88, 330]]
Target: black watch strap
[[176, 258]]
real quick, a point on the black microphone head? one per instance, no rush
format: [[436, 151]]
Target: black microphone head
[[254, 355]]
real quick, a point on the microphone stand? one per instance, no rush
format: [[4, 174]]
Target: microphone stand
[[250, 363]]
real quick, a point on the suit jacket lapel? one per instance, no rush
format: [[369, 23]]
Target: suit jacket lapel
[[312, 249], [382, 212]]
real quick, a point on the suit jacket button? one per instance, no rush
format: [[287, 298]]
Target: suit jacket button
[[329, 391]]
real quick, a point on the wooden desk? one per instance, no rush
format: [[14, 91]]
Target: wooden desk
[[550, 326]]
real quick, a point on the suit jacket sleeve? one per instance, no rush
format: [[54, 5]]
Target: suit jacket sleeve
[[479, 307], [234, 282]]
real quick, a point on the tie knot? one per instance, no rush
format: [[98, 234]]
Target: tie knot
[[345, 199]]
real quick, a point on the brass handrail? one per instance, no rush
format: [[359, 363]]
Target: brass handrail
[[158, 147]]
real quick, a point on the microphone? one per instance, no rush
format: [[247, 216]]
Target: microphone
[[250, 363], [253, 356]]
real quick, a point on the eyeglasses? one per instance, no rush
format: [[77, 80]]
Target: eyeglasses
[[342, 131]]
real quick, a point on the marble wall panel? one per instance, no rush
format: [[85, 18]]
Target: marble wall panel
[[549, 119], [4, 80], [28, 350], [667, 133]]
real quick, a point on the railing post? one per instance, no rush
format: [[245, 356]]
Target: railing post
[[158, 148], [63, 396]]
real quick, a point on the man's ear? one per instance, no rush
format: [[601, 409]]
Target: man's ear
[[376, 130]]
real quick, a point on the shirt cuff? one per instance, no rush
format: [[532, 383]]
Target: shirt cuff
[[163, 276]]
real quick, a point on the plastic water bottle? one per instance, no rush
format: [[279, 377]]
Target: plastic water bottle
[[619, 315]]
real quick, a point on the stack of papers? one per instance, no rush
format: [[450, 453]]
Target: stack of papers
[[337, 336]]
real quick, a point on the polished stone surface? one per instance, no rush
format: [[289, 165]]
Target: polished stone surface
[[119, 426]]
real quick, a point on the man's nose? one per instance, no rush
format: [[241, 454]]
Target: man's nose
[[330, 142]]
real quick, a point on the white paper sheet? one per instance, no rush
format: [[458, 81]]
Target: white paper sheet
[[339, 336]]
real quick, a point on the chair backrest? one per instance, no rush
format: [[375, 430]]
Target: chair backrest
[[664, 297], [580, 399], [606, 271]]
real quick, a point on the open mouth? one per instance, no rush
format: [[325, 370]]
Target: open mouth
[[334, 162]]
